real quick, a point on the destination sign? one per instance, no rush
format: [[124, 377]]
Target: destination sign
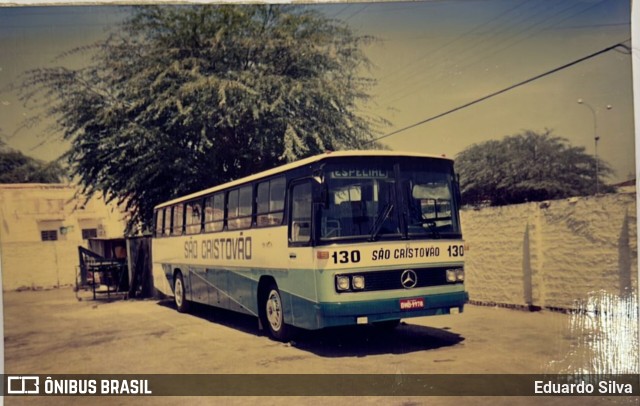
[[359, 174]]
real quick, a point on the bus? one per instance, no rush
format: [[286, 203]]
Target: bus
[[341, 238]]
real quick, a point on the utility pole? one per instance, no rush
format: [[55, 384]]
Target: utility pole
[[596, 138]]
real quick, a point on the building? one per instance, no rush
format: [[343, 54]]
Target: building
[[41, 227]]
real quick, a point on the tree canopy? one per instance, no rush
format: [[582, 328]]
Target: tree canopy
[[527, 167], [181, 98], [16, 167]]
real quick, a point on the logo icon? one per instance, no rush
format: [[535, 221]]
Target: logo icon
[[409, 279], [23, 385]]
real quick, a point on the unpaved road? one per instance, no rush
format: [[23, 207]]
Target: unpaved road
[[53, 332]]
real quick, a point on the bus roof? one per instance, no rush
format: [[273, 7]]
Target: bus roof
[[297, 164]]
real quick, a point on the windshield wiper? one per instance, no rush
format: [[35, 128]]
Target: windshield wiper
[[379, 221]]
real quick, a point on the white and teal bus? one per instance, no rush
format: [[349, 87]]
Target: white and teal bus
[[342, 238]]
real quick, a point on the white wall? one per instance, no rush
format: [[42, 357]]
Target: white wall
[[531, 254]]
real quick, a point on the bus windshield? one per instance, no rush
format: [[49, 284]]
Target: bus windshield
[[389, 199], [431, 211]]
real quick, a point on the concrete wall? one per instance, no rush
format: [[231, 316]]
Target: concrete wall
[[28, 209], [551, 254]]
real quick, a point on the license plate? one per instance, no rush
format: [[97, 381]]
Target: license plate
[[412, 304]]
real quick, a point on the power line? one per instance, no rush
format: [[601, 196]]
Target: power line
[[341, 11], [628, 23], [472, 48], [415, 87], [395, 74], [506, 89], [355, 13], [449, 52]]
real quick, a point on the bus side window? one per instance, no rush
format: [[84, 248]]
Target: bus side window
[[239, 208], [178, 217], [300, 229], [166, 221], [270, 202], [159, 222], [214, 213], [193, 217]]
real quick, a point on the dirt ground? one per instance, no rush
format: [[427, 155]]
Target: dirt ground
[[62, 332]]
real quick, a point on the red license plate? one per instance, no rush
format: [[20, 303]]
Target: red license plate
[[412, 304]]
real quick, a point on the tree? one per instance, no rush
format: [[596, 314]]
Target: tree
[[526, 167], [15, 167], [182, 98]]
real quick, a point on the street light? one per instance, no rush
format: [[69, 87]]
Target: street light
[[596, 138]]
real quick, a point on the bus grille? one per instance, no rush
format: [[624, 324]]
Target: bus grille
[[390, 280]]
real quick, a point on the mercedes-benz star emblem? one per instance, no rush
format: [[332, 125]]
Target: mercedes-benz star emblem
[[409, 279]]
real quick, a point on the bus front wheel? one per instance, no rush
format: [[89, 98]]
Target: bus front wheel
[[272, 313], [179, 294]]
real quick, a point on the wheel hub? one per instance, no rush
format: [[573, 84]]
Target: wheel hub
[[178, 292], [274, 313]]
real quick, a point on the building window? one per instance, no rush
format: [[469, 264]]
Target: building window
[[49, 235], [89, 233]]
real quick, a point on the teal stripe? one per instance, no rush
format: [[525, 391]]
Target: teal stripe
[[391, 306], [313, 316]]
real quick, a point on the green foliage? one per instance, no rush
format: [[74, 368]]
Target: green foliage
[[185, 97], [15, 167], [527, 167]]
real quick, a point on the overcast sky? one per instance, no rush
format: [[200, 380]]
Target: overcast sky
[[433, 56]]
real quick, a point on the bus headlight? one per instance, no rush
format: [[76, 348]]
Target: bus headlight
[[358, 282], [342, 282], [455, 275]]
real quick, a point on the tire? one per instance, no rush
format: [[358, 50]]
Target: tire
[[179, 294], [272, 313]]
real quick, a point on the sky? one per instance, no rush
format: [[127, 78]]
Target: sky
[[430, 57]]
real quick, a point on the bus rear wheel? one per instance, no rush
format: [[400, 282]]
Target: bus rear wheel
[[272, 313], [179, 294]]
